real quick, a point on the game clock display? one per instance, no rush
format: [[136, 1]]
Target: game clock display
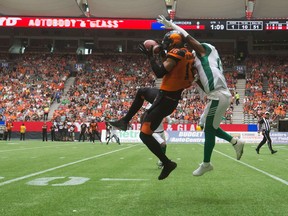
[[244, 25], [235, 25]]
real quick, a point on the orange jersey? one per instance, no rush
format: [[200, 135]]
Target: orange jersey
[[93, 126], [181, 76], [9, 126]]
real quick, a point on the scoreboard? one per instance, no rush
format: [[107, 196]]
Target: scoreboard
[[251, 25], [235, 25], [142, 24], [276, 25]]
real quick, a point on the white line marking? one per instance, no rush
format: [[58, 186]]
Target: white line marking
[[121, 179], [252, 167], [62, 166]]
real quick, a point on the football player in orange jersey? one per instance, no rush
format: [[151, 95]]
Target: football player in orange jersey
[[176, 72], [9, 126], [93, 130]]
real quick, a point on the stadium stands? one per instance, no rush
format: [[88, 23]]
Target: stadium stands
[[105, 85]]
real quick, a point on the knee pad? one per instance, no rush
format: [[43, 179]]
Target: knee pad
[[146, 128]]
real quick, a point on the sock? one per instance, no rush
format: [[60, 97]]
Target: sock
[[206, 164], [163, 148], [208, 146], [154, 147]]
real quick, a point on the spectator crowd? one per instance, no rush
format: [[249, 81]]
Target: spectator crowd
[[105, 86]]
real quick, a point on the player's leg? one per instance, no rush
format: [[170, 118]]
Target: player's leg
[[162, 107], [160, 137], [261, 143], [238, 144], [117, 139], [98, 135], [209, 135], [108, 140], [269, 142], [148, 94]]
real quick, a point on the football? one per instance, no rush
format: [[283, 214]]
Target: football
[[152, 44]]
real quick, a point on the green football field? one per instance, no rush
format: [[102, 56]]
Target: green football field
[[57, 178]]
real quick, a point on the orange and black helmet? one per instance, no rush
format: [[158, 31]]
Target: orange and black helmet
[[172, 39]]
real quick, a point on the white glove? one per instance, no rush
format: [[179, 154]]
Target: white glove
[[167, 24], [170, 25]]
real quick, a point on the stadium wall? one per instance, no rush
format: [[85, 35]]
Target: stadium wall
[[37, 127], [175, 133], [197, 137]]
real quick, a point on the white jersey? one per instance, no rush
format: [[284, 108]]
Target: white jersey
[[211, 72]]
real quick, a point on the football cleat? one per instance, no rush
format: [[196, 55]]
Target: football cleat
[[239, 147], [120, 124], [167, 169], [203, 168]]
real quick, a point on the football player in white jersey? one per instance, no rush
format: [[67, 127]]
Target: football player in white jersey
[[213, 84]]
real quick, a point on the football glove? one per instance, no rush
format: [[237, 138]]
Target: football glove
[[167, 24], [148, 53]]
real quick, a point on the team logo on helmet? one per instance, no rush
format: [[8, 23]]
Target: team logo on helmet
[[172, 39]]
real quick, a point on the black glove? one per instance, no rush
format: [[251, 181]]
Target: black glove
[[148, 53]]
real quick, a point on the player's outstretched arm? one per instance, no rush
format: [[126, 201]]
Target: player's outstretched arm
[[195, 44]]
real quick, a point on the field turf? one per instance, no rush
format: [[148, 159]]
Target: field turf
[[60, 179]]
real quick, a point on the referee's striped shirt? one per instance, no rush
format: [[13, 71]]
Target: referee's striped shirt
[[264, 124]]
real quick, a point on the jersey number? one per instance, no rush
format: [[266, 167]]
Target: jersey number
[[189, 70]]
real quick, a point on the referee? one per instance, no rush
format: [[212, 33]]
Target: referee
[[264, 126]]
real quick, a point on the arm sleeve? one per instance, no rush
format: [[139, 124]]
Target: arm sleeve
[[178, 28], [159, 70]]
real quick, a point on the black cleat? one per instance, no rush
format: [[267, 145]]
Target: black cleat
[[120, 124], [257, 150], [167, 169], [273, 152]]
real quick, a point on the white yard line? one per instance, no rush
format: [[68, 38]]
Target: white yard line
[[255, 168], [62, 166]]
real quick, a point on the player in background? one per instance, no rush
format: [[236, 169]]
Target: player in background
[[212, 82], [83, 131], [265, 128], [111, 133], [45, 132], [94, 131], [71, 131]]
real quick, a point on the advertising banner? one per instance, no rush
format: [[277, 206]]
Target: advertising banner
[[196, 137]]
